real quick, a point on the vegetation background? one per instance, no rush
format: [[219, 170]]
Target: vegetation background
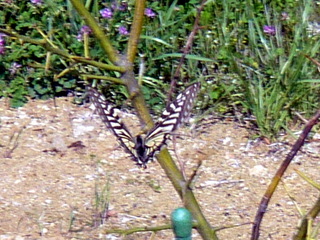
[[249, 55]]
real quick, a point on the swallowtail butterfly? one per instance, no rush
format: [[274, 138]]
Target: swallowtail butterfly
[[142, 148]]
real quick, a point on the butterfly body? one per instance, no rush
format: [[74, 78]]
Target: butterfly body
[[142, 148]]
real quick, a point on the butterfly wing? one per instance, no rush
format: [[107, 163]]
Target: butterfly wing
[[143, 149], [179, 110], [175, 113], [112, 121]]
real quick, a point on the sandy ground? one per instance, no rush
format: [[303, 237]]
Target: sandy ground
[[60, 168]]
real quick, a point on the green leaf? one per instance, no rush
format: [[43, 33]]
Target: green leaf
[[188, 56], [157, 40]]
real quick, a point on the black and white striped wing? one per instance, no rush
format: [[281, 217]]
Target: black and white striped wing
[[143, 148], [172, 117], [176, 112], [112, 121]]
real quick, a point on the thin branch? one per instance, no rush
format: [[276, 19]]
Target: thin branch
[[216, 229], [142, 229], [136, 29], [47, 46], [311, 215], [276, 179], [14, 141], [110, 79], [97, 31], [138, 229], [193, 175], [313, 60], [186, 50]]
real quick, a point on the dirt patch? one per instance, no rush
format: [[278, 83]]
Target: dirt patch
[[54, 160]]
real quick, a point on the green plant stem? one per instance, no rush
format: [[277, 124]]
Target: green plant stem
[[186, 194], [46, 45], [139, 104], [132, 85], [135, 30], [138, 229], [110, 79], [97, 31], [311, 215], [137, 98]]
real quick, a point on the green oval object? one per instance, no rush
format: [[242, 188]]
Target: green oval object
[[181, 220]]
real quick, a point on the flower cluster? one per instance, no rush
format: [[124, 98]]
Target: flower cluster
[[14, 68], [123, 30], [149, 13], [37, 2], [2, 44], [122, 7], [285, 16], [108, 13], [84, 30], [269, 30]]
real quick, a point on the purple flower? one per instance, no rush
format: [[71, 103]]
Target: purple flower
[[79, 37], [37, 2], [14, 68], [269, 30], [106, 13], [114, 5], [2, 50], [2, 39], [284, 16], [123, 6], [84, 30], [149, 13], [123, 30]]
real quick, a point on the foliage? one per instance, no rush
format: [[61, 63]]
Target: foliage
[[246, 68], [270, 65]]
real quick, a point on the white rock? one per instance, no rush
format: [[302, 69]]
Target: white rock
[[258, 171]]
